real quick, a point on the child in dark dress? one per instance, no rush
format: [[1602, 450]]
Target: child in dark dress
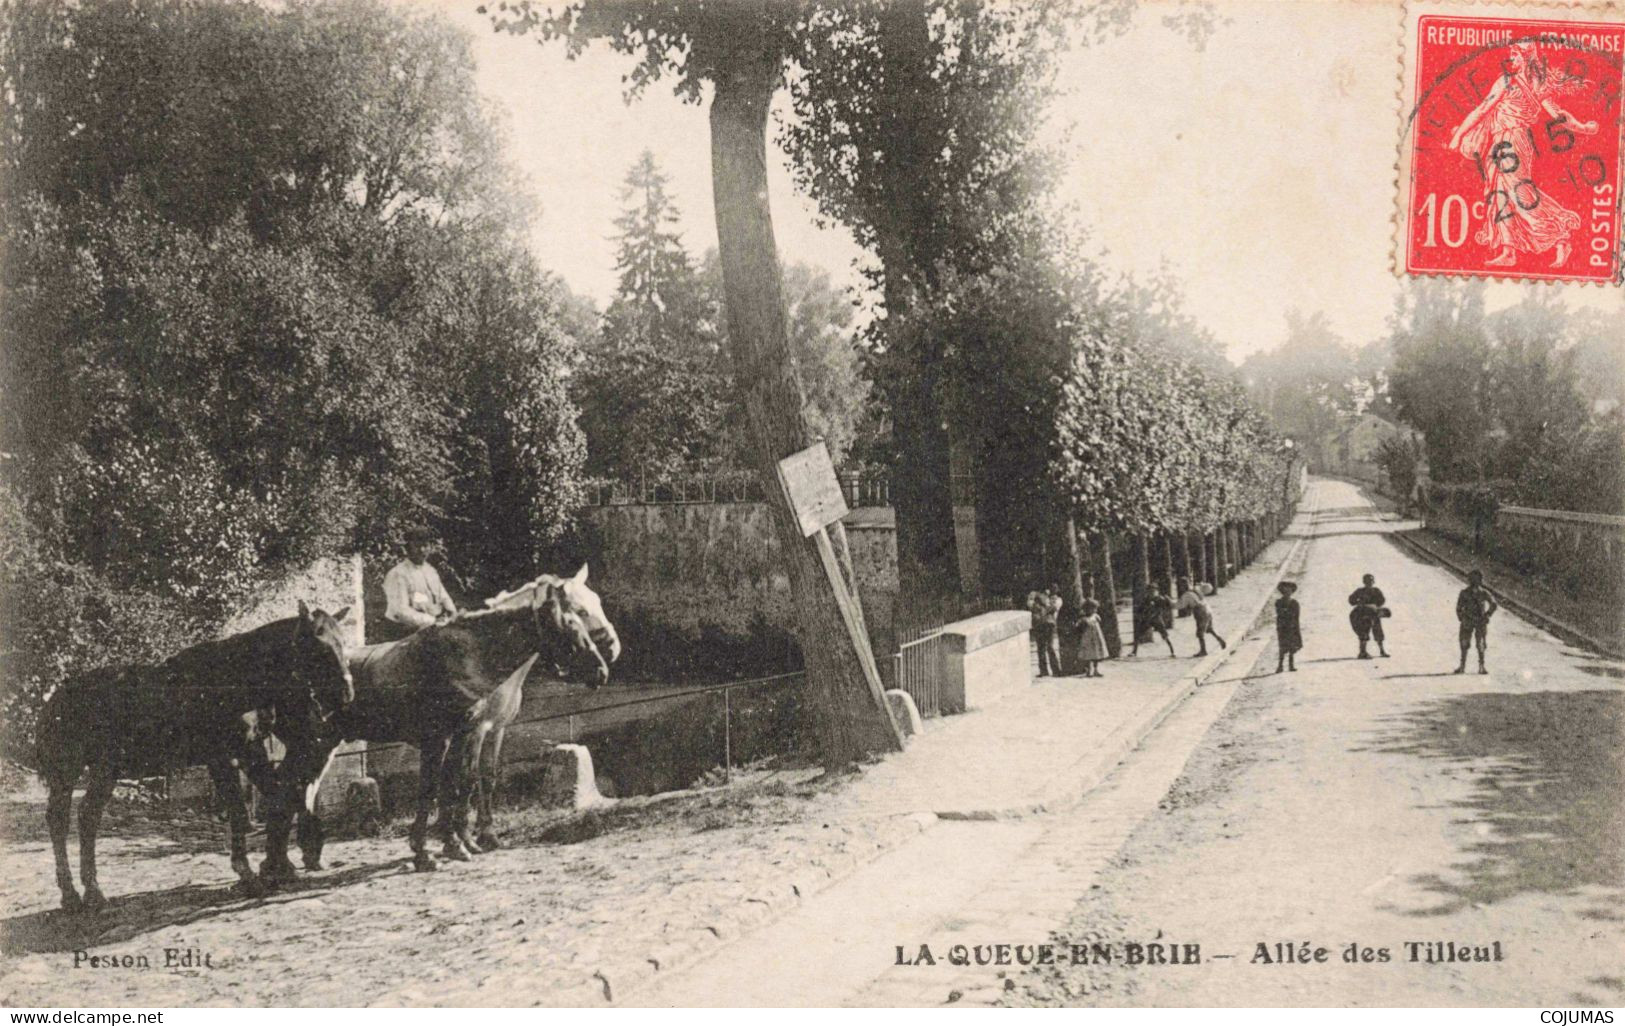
[[1288, 635]]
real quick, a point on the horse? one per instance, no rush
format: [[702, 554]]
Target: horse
[[487, 773], [435, 689], [208, 704]]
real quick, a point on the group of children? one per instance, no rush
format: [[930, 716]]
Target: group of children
[[1474, 607], [1155, 615]]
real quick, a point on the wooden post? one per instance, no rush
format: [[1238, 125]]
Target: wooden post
[[814, 498]]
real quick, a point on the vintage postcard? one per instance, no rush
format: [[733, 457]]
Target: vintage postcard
[[811, 503]]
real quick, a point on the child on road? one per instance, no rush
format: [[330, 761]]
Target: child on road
[[1288, 635], [1191, 599], [1092, 646], [1474, 607]]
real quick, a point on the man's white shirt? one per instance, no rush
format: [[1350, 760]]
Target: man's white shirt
[[415, 595]]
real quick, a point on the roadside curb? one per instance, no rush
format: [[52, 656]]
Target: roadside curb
[[1561, 629]]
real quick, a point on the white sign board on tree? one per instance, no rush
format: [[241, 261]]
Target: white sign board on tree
[[814, 492]]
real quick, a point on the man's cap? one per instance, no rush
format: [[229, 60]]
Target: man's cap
[[419, 533], [1287, 586]]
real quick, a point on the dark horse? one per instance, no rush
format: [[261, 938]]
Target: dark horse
[[439, 688], [209, 704]]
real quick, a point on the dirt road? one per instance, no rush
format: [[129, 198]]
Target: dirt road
[[1382, 804], [1385, 804]]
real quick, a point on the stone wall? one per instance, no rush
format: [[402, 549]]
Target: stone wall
[[711, 571]]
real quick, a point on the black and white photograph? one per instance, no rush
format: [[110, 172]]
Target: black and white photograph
[[1111, 504]]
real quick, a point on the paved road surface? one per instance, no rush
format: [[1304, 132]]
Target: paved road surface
[[1376, 803]]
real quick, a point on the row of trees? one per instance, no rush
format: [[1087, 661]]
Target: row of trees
[[1524, 402], [264, 300]]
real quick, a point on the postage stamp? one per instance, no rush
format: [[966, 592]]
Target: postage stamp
[[1510, 153]]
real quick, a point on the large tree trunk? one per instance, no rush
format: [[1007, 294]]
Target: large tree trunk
[[1182, 552], [1076, 585], [1198, 557], [921, 484], [1167, 571], [1108, 598], [851, 714]]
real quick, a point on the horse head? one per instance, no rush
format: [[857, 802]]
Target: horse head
[[586, 604], [565, 640], [319, 662], [578, 599]]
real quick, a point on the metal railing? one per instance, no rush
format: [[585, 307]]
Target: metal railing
[[919, 668], [1564, 515], [572, 718]]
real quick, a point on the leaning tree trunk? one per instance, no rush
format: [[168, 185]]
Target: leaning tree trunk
[[1199, 558], [1108, 598], [851, 714], [1182, 551]]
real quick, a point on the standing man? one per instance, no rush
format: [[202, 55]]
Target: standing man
[[1366, 616], [412, 588], [1045, 605], [1474, 607]]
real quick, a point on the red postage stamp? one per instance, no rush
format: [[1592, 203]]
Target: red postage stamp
[[1511, 157]]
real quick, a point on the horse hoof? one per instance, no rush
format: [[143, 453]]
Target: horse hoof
[[94, 901], [313, 862], [71, 902], [456, 853], [251, 886], [273, 873], [488, 842], [423, 862], [472, 846]]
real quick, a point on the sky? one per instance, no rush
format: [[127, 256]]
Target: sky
[[1259, 167]]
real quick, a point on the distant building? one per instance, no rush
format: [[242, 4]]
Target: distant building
[[1353, 450]]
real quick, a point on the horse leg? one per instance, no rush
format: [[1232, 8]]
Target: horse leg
[[489, 780], [454, 799], [98, 789], [311, 834], [58, 814], [474, 787], [230, 789], [432, 754]]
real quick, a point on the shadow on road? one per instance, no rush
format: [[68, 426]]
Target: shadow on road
[[132, 915], [1546, 778]]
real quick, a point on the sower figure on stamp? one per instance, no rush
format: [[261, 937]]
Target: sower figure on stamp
[[1474, 607], [1155, 613], [1288, 633], [1499, 137], [412, 588], [1191, 599], [1366, 617], [1045, 605]]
